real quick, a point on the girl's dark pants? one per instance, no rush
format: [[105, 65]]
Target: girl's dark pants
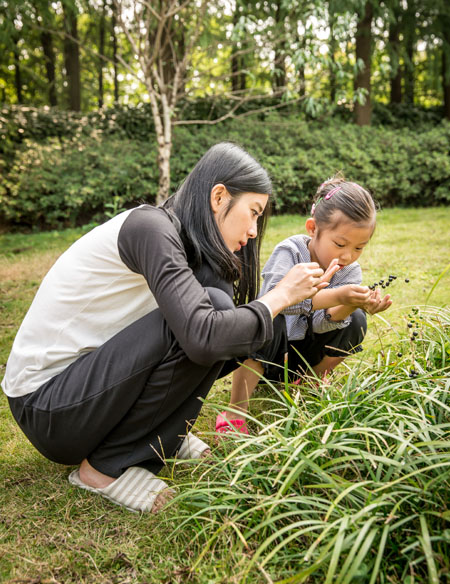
[[128, 403], [308, 352]]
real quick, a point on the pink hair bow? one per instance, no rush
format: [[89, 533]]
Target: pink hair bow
[[331, 193]]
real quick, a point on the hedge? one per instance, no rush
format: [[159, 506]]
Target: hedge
[[75, 177]]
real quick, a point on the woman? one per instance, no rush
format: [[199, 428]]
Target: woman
[[131, 326]]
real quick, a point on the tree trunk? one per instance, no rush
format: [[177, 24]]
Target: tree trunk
[[101, 52], [50, 67], [446, 78], [396, 72], [17, 73], [332, 48], [301, 81], [72, 58], [363, 112], [238, 77], [164, 151], [279, 80], [301, 70], [409, 36], [114, 51], [162, 117]]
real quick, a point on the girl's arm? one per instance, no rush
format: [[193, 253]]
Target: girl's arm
[[342, 301], [348, 298]]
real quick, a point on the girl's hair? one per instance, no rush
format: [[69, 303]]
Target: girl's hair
[[336, 194], [228, 164]]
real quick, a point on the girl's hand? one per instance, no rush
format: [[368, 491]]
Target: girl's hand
[[376, 303], [329, 273], [354, 295]]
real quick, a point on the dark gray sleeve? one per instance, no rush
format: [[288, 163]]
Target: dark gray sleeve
[[149, 244]]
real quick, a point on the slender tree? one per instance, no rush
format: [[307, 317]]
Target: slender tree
[[17, 69], [409, 41], [115, 60], [50, 66], [332, 47], [238, 75], [72, 55], [163, 37], [101, 51], [394, 48], [44, 15], [363, 111], [279, 78], [446, 78]]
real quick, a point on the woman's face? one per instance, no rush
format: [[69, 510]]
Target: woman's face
[[241, 223]]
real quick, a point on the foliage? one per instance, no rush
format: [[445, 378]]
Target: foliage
[[276, 42], [18, 123], [70, 177], [66, 183], [400, 167], [340, 484]]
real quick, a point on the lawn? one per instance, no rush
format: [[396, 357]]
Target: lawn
[[350, 484]]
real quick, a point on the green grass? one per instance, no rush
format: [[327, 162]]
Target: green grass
[[339, 484], [356, 463]]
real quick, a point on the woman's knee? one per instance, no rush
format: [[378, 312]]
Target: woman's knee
[[219, 299]]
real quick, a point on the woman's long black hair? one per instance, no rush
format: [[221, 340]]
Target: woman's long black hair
[[228, 164]]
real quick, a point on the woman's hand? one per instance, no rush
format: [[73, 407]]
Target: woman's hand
[[377, 304], [301, 282]]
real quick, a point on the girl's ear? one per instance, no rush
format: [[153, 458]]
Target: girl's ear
[[311, 226], [219, 198]]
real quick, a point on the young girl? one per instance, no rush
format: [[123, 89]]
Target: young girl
[[323, 330]]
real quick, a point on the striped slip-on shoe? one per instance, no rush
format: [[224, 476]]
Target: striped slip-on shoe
[[192, 447], [136, 489]]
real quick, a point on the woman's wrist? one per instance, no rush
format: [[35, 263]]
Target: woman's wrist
[[275, 300]]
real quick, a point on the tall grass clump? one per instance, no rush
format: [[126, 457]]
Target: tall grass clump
[[339, 484]]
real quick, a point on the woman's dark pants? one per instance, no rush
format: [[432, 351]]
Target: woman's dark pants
[[128, 403]]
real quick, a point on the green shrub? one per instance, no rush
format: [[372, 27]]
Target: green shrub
[[400, 167], [70, 177], [56, 184]]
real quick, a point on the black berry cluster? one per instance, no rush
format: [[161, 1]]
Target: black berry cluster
[[413, 323], [386, 283]]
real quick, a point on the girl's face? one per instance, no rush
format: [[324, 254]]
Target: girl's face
[[345, 242], [241, 223]]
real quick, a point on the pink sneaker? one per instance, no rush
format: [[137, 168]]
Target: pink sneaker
[[223, 425]]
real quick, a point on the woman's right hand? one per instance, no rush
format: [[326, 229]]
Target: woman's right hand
[[301, 282]]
